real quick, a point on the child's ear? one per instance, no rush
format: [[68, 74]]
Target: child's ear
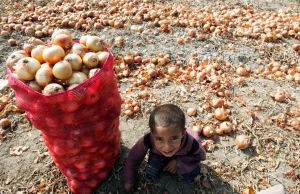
[[183, 133]]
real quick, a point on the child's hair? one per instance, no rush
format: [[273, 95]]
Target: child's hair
[[167, 115]]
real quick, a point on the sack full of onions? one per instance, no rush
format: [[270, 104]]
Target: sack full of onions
[[69, 92]]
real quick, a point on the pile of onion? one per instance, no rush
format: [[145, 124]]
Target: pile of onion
[[61, 66]]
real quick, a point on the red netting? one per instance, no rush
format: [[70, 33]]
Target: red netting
[[79, 126]]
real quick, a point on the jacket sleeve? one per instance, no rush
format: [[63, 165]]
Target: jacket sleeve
[[196, 153], [134, 159]]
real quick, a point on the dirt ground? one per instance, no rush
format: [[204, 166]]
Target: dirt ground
[[270, 160]]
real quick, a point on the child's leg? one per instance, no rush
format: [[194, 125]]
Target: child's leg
[[156, 164], [194, 175]]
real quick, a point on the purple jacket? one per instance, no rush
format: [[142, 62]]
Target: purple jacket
[[190, 153]]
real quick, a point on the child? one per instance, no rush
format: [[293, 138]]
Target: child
[[171, 147]]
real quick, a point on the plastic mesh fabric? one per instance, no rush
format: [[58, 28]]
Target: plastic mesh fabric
[[80, 127]]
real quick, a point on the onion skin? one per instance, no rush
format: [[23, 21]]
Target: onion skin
[[242, 141]]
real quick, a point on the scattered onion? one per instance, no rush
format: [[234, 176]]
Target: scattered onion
[[221, 114], [242, 141], [191, 112], [208, 131], [226, 127]]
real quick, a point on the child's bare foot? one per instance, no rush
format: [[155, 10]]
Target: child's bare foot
[[197, 179]]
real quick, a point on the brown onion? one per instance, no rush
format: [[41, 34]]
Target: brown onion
[[221, 114], [208, 131], [191, 112], [217, 102], [280, 96], [226, 127], [242, 141]]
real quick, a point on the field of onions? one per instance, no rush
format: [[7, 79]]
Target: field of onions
[[232, 66]]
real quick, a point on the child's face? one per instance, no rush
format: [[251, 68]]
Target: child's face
[[167, 140]]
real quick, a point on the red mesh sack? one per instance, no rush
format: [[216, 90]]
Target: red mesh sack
[[80, 127]]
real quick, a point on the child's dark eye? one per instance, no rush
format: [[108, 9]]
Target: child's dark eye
[[174, 138], [158, 139]]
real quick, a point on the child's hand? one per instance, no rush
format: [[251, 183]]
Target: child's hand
[[128, 187], [171, 167]]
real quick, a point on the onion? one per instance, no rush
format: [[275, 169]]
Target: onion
[[217, 102], [77, 78], [72, 86], [37, 53], [128, 60], [35, 86], [197, 129], [92, 72], [27, 67], [241, 71], [79, 49], [172, 70], [219, 131], [128, 113], [53, 88], [296, 47], [4, 123], [83, 39], [62, 70], [53, 54], [221, 114], [63, 40], [90, 60], [208, 131], [226, 127], [44, 76], [94, 43], [191, 111], [75, 61], [60, 31], [280, 96], [102, 56], [14, 58], [242, 141], [136, 109]]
